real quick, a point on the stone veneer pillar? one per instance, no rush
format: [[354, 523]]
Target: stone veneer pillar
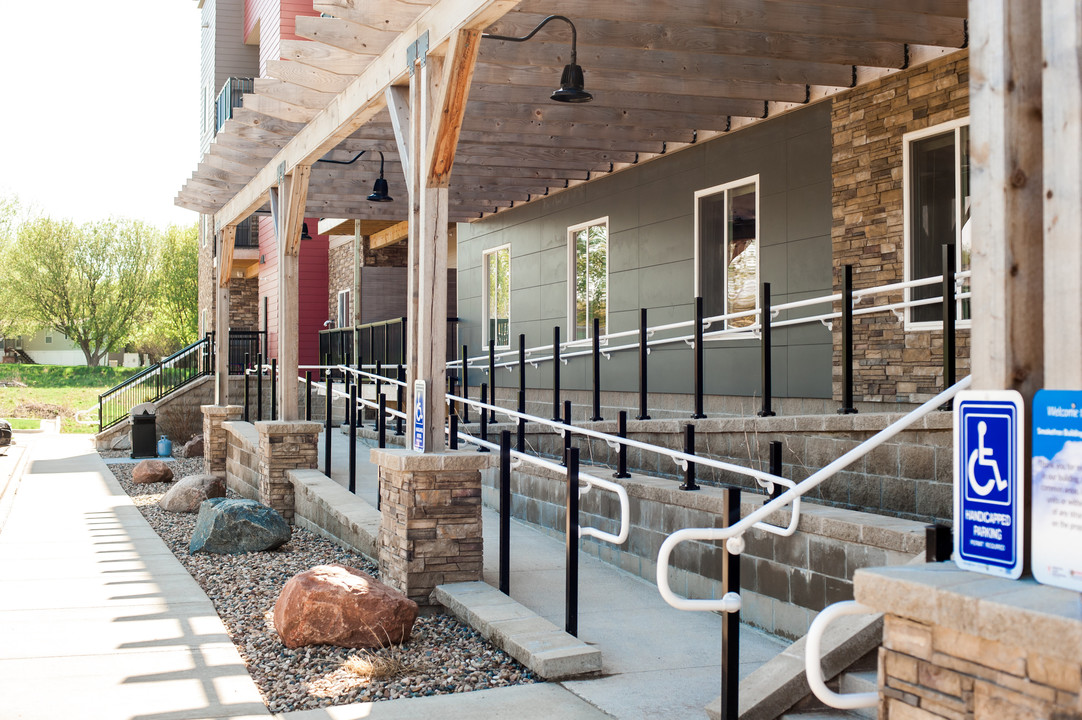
[[215, 441], [958, 644], [431, 528], [284, 445]]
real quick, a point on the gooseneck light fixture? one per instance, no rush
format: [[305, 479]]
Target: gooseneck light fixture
[[572, 80], [379, 189]]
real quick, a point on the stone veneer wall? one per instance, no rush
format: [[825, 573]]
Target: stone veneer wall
[[339, 273], [785, 581], [868, 123], [961, 645], [244, 304], [241, 464], [284, 446]]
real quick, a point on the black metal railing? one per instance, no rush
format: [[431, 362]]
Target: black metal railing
[[381, 342], [245, 343], [247, 233], [155, 382], [230, 97]]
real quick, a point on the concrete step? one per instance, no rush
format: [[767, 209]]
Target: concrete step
[[862, 681]]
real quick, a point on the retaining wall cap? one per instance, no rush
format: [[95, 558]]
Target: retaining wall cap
[[408, 461], [287, 427], [222, 410]]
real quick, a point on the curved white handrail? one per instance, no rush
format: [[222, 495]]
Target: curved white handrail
[[734, 534], [813, 667]]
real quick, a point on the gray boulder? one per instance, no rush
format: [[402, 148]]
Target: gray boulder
[[228, 526], [189, 493], [192, 448]]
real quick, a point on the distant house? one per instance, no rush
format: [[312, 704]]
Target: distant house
[[49, 347]]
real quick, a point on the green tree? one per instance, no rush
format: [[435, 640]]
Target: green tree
[[88, 282], [172, 314], [13, 319]]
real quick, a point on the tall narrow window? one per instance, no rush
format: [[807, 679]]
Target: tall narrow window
[[728, 250], [937, 208], [497, 297], [343, 309], [588, 251]]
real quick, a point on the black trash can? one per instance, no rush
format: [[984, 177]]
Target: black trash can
[[144, 433]]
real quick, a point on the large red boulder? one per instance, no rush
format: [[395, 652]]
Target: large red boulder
[[152, 471], [339, 605]]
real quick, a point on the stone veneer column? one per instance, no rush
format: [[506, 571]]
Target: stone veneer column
[[431, 528], [957, 644], [284, 446], [215, 441]]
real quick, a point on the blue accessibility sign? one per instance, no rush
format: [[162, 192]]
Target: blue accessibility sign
[[988, 487], [419, 416]]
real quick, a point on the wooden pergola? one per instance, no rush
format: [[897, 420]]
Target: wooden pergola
[[467, 129]]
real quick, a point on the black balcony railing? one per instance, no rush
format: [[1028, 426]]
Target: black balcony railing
[[245, 343], [247, 233], [383, 342], [230, 97]]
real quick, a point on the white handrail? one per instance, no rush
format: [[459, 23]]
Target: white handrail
[[813, 666], [733, 535]]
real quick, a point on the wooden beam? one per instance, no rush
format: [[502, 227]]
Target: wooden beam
[[292, 94], [306, 76], [249, 117], [229, 239], [324, 57], [346, 35], [363, 99], [391, 15], [397, 98], [225, 239], [450, 107], [393, 234], [278, 109], [563, 113], [298, 193]]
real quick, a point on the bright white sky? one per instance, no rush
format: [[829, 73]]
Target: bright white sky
[[101, 107]]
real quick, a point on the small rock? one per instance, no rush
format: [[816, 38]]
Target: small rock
[[228, 527], [339, 605], [152, 471], [192, 448], [189, 493]]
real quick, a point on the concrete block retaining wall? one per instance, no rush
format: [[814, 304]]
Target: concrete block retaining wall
[[785, 581], [242, 462]]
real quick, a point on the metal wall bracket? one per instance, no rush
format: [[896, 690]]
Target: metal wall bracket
[[281, 173], [417, 52]]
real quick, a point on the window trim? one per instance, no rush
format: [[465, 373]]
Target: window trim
[[571, 230], [349, 308], [716, 189], [484, 295], [952, 126]]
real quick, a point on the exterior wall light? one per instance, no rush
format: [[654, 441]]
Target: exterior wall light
[[571, 81]]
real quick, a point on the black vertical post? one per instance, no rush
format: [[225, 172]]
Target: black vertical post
[[383, 421], [950, 317], [765, 345], [730, 622], [259, 388], [847, 342], [621, 454], [452, 383], [567, 433], [274, 389], [352, 439], [327, 428], [505, 512], [247, 399], [465, 386], [492, 378], [484, 417], [400, 394], [699, 358], [938, 543], [597, 371], [521, 374], [520, 443], [556, 373], [775, 466], [689, 448], [571, 616], [644, 350], [308, 395], [453, 437]]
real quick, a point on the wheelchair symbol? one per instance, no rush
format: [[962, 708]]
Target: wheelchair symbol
[[983, 456]]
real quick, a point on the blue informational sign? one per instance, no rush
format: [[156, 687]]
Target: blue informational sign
[[988, 490], [1057, 488], [419, 416]]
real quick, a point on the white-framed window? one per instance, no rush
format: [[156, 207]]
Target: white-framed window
[[343, 309], [588, 277], [935, 167], [496, 297], [727, 249]]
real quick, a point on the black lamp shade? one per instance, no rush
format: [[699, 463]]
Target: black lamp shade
[[304, 232], [571, 84], [379, 192]]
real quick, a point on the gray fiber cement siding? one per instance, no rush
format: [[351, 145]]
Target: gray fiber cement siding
[[651, 213]]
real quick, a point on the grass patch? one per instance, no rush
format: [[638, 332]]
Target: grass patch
[[48, 391], [24, 423]]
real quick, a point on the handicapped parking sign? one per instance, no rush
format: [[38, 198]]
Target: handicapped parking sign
[[988, 482]]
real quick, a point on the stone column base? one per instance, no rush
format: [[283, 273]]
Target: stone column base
[[431, 528], [215, 441], [284, 445]]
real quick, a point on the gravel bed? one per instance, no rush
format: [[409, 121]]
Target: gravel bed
[[442, 656]]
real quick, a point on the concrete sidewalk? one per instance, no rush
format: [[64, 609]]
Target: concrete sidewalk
[[99, 620]]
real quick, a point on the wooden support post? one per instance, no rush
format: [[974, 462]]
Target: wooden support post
[[1006, 160], [1061, 27], [292, 195], [221, 319]]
